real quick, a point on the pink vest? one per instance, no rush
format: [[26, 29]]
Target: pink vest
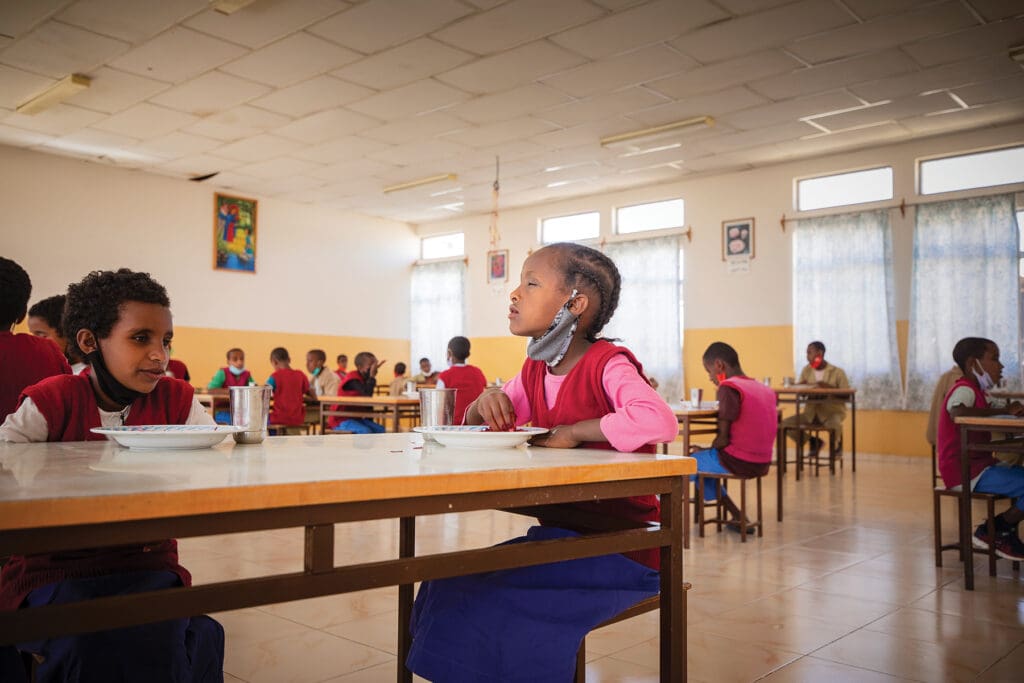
[[752, 435], [947, 441]]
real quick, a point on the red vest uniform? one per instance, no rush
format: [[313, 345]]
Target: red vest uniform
[[178, 369], [582, 397], [233, 380], [470, 382], [752, 435], [69, 406], [947, 442], [25, 360], [290, 386]]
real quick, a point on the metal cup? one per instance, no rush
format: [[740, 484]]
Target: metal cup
[[767, 381], [696, 395], [410, 387], [437, 407], [250, 408], [787, 381]]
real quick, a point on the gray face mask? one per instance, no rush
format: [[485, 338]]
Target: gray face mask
[[551, 346]]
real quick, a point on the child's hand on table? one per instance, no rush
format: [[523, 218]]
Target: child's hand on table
[[557, 437], [496, 410], [1016, 409]]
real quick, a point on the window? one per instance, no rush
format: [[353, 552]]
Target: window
[[436, 309], [967, 171], [573, 228], [651, 216], [443, 246], [842, 189]]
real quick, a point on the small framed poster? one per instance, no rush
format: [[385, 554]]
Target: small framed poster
[[497, 265], [738, 239], [234, 233]]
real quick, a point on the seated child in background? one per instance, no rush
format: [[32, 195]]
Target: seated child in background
[[746, 424], [360, 382], [121, 322], [45, 319], [24, 358], [233, 374], [825, 411], [397, 386], [526, 624], [290, 388], [178, 370], [978, 358], [342, 370], [427, 375], [324, 381], [467, 379]]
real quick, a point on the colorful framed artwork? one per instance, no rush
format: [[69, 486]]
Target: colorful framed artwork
[[234, 233], [497, 266], [738, 239]]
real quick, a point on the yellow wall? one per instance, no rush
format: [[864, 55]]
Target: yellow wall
[[498, 356]]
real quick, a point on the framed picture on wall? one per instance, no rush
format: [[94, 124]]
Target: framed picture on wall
[[497, 265], [738, 239], [234, 233]]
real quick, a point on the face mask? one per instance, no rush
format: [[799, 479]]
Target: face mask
[[551, 346], [984, 379], [317, 372], [117, 392], [720, 377], [237, 372], [817, 362]]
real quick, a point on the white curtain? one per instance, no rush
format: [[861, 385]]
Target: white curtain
[[648, 320], [843, 297], [437, 310], [965, 284]]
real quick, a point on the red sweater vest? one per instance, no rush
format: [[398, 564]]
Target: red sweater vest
[[752, 436], [289, 387], [948, 440], [582, 397], [470, 383], [69, 406], [233, 380], [25, 360]]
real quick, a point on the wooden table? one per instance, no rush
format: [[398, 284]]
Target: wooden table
[[61, 496], [695, 421], [800, 393], [396, 406]]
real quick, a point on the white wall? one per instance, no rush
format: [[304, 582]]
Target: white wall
[[715, 298], [319, 271]]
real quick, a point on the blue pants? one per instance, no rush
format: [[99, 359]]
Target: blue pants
[[1004, 479], [175, 651], [708, 462], [360, 425]]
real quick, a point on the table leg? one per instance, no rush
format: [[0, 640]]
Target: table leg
[[780, 467], [394, 419], [966, 549], [406, 548], [853, 432], [673, 592], [686, 435]]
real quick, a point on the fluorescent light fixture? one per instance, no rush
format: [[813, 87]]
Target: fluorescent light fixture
[[442, 193], [650, 150], [55, 94], [658, 131], [229, 6], [422, 181], [1017, 53]]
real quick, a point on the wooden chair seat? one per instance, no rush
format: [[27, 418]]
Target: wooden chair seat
[[720, 519], [835, 450], [990, 499]]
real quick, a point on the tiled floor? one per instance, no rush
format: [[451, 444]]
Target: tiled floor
[[845, 589]]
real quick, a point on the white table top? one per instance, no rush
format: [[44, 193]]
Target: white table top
[[47, 484]]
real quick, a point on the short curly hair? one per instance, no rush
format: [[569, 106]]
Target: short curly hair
[[15, 289], [51, 310], [95, 302]]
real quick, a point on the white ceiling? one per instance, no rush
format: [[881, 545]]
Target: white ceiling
[[328, 101]]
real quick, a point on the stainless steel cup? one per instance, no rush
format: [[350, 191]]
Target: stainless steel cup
[[250, 408], [437, 407], [787, 381], [767, 381], [696, 395], [410, 387]]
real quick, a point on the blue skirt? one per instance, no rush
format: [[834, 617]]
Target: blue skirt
[[521, 624]]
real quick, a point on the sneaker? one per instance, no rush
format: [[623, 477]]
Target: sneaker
[[815, 444], [1007, 544]]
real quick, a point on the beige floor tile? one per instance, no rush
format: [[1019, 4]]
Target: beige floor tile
[[813, 669], [789, 632], [1009, 669], [332, 610], [379, 631], [611, 670], [839, 609], [381, 673], [307, 657], [992, 600], [246, 627], [949, 629], [622, 635], [871, 587], [228, 678]]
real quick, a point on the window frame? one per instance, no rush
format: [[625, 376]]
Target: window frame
[[650, 231], [862, 205], [462, 255], [582, 240], [982, 190]]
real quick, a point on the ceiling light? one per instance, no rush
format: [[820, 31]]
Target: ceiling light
[[229, 6], [650, 150], [422, 181], [658, 131], [55, 94], [1017, 53]]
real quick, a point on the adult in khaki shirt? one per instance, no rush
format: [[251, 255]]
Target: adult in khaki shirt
[[820, 411]]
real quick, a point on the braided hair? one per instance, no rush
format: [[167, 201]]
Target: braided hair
[[587, 267]]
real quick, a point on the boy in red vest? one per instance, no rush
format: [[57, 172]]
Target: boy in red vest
[[234, 373], [746, 424], [978, 358], [360, 382], [467, 379], [45, 319], [24, 359], [121, 322], [290, 388]]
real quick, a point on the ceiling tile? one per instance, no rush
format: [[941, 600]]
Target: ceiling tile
[[19, 137], [61, 119], [97, 145], [975, 117], [791, 110], [750, 6], [427, 151], [515, 23], [584, 134], [258, 148], [112, 90], [420, 58], [644, 65], [993, 91], [511, 68], [177, 54], [602, 106], [326, 125], [282, 167], [237, 123], [509, 104], [724, 74], [851, 139], [935, 78], [989, 39], [290, 60], [790, 130], [316, 94], [416, 128], [17, 18], [993, 10], [884, 32], [892, 111], [145, 121], [341, 150], [56, 50], [871, 9], [497, 133], [210, 93], [129, 20], [617, 4], [378, 24], [197, 165], [177, 144], [16, 86], [359, 168], [833, 75], [264, 21], [754, 32], [409, 100], [632, 28], [712, 104]]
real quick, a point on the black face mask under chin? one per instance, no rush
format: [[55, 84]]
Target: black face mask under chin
[[115, 391]]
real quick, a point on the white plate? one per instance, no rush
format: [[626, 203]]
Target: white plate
[[411, 394], [478, 436], [161, 437]]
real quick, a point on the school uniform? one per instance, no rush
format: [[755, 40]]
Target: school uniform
[[469, 382], [24, 360], [355, 384], [178, 370], [289, 388], [226, 378], [825, 411]]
